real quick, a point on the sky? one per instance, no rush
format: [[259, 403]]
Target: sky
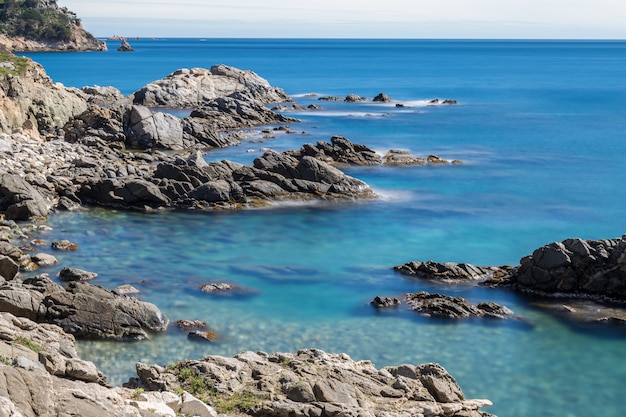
[[503, 19]]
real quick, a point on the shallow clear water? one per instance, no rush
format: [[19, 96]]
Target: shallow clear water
[[540, 128]]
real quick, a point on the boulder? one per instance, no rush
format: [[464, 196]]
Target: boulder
[[192, 88], [102, 96], [576, 267], [20, 200], [382, 98], [70, 274], [314, 383], [385, 302], [8, 268], [82, 309], [154, 130]]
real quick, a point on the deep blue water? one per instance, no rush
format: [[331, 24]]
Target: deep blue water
[[540, 126]]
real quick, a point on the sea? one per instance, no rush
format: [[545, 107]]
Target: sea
[[540, 127]]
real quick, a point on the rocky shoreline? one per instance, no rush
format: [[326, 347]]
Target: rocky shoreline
[[66, 149], [557, 275]]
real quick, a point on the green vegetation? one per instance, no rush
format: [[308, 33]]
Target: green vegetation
[[36, 19], [238, 402], [24, 341], [11, 64], [193, 382]]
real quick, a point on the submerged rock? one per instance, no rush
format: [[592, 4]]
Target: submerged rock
[[444, 306]]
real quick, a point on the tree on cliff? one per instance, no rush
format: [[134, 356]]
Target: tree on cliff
[[40, 20]]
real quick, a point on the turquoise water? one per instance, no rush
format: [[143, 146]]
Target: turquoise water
[[540, 128]]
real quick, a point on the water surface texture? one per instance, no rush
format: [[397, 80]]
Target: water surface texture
[[540, 127]]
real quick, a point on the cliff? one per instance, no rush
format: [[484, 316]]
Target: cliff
[[30, 102], [41, 25]]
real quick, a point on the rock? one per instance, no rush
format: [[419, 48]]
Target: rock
[[126, 289], [576, 267], [448, 271], [19, 200], [315, 383], [218, 287], [82, 309], [33, 104], [190, 324], [192, 88], [400, 157], [444, 306], [102, 96], [44, 259], [190, 405], [204, 335], [8, 268], [382, 98], [64, 245], [154, 130], [235, 111], [354, 98], [75, 274], [125, 46], [385, 302]]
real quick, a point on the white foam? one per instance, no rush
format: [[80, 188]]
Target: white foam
[[323, 113]]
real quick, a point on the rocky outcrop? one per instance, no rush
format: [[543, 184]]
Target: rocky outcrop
[[576, 267], [31, 103], [19, 200], [46, 347], [445, 306], [314, 383], [571, 269], [41, 374], [235, 111], [341, 151], [192, 88], [453, 272], [102, 96], [81, 309], [138, 127], [125, 46]]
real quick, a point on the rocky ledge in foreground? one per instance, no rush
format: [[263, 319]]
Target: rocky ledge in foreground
[[574, 269], [312, 383]]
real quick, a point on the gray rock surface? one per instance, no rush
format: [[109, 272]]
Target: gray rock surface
[[191, 88], [341, 151], [20, 200], [82, 309], [75, 274], [314, 383], [102, 96], [576, 267], [444, 306], [31, 103]]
